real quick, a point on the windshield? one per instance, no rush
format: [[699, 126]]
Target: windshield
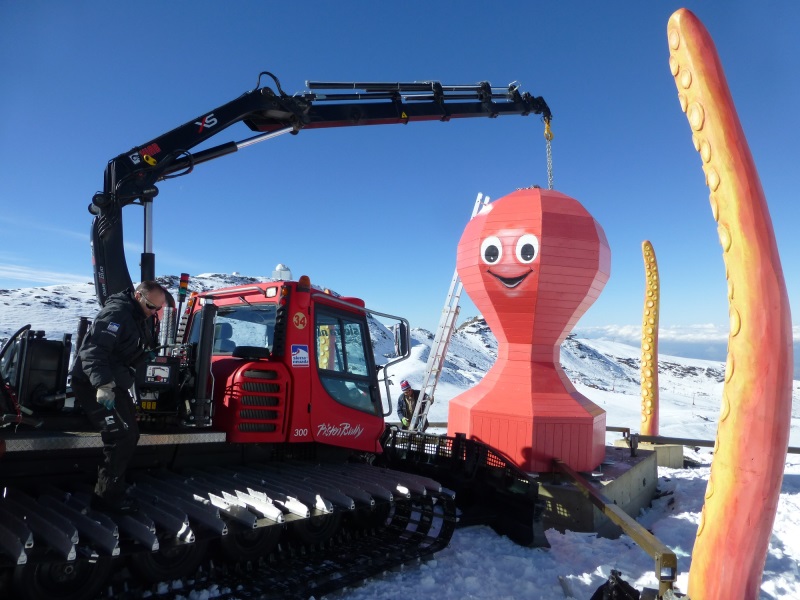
[[241, 325]]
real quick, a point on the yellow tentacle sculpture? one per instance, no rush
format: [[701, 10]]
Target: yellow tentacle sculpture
[[753, 431], [649, 366]]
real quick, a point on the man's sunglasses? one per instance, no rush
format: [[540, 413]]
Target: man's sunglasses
[[149, 304]]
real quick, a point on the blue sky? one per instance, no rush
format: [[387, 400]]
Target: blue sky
[[377, 212]]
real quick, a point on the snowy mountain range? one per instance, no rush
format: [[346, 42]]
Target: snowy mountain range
[[605, 372]]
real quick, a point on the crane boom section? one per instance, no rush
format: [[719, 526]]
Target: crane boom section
[[264, 110], [131, 177]]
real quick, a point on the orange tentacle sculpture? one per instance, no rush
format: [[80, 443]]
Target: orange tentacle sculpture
[[649, 368], [753, 432]]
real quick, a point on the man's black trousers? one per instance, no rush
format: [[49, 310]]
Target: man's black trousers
[[119, 432]]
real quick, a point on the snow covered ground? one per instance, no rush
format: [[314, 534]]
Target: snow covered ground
[[481, 564]]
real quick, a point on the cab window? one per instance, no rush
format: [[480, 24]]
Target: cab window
[[344, 358]]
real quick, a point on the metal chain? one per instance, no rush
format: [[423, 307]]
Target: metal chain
[[548, 135]]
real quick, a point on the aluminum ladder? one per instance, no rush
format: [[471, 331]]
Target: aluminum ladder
[[441, 341]]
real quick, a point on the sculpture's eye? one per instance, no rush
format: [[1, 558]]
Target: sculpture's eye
[[491, 250], [527, 248]]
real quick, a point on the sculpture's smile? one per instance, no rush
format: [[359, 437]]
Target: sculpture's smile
[[510, 282]]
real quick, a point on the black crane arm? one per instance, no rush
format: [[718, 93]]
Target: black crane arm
[[131, 176]]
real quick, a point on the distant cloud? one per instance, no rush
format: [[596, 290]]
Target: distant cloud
[[631, 334], [705, 341], [697, 334], [32, 225], [23, 273], [175, 262], [627, 334], [694, 333]]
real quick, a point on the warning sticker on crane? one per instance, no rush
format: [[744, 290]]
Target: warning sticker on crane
[[299, 355]]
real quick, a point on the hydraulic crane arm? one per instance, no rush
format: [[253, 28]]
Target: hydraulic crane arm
[[131, 176]]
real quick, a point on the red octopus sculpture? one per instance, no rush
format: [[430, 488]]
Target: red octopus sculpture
[[532, 262]]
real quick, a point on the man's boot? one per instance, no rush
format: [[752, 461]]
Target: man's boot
[[110, 495]]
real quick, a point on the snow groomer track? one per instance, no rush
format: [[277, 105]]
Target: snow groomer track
[[282, 528]]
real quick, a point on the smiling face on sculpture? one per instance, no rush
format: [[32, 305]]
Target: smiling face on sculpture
[[510, 268], [533, 262]]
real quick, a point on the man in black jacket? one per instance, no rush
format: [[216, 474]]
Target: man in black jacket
[[407, 403], [120, 338]]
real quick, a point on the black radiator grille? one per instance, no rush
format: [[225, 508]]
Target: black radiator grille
[[254, 427], [266, 415], [261, 388], [259, 374], [259, 401]]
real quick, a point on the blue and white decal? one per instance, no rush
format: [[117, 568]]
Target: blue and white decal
[[300, 355]]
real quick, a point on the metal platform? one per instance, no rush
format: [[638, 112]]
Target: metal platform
[[629, 481], [45, 440]]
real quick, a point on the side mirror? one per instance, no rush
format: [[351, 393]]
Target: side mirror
[[402, 343]]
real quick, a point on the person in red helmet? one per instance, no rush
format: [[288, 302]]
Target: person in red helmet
[[407, 403]]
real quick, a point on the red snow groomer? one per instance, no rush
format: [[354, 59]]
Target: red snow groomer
[[263, 434]]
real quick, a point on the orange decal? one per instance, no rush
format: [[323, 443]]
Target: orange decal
[[300, 320]]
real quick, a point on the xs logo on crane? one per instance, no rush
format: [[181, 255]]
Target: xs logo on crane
[[206, 122]]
